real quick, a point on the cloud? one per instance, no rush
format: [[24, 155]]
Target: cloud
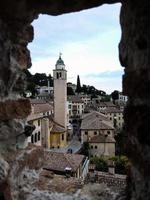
[[87, 39], [106, 74]]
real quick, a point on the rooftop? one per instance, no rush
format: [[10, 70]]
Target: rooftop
[[74, 99], [60, 161], [42, 108], [112, 110], [96, 121], [56, 127]]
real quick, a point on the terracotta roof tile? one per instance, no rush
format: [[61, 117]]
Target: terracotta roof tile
[[59, 161], [112, 110], [42, 108], [96, 121], [75, 99]]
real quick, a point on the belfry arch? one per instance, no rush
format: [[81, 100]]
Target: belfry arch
[[134, 54]]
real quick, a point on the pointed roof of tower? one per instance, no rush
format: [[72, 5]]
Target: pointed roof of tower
[[60, 62]]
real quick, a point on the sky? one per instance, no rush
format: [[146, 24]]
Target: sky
[[88, 41]]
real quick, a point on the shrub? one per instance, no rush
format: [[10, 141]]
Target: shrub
[[100, 163]]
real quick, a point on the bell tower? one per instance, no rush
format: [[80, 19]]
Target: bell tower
[[60, 93]]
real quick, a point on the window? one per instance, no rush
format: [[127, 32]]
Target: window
[[95, 147], [91, 146], [70, 106], [36, 139], [110, 118], [108, 132], [86, 133], [95, 133], [39, 122], [32, 138], [62, 136], [39, 136], [119, 118], [58, 75]]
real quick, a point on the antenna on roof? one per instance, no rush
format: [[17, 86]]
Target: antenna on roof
[[60, 54]]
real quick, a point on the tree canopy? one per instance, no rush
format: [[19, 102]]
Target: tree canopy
[[37, 80], [115, 95], [70, 91]]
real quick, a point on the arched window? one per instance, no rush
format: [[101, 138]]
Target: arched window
[[39, 136], [62, 136], [95, 132], [32, 138], [35, 137]]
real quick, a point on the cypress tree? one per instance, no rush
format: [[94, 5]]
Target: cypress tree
[[78, 89]]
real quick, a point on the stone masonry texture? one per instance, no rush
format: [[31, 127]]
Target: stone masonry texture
[[134, 54]]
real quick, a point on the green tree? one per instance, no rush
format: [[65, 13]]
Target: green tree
[[120, 138], [30, 86], [106, 98], [100, 163], [85, 149], [78, 89], [40, 79], [50, 79], [115, 95], [121, 164], [70, 91], [84, 89]]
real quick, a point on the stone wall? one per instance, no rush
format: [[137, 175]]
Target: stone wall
[[134, 52]]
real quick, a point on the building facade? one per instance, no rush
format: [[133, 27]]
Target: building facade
[[98, 131], [115, 115], [76, 107], [39, 117]]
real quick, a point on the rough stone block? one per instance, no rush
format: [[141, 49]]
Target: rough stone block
[[14, 109]]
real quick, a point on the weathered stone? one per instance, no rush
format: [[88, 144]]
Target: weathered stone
[[4, 167], [14, 109], [134, 54]]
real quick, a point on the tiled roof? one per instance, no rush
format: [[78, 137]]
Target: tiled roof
[[44, 95], [42, 108], [112, 110], [74, 99], [56, 128], [93, 115], [102, 139], [96, 121], [109, 104], [104, 104], [59, 161], [37, 101]]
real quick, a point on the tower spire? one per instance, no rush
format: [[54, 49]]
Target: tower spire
[[60, 63], [60, 54]]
